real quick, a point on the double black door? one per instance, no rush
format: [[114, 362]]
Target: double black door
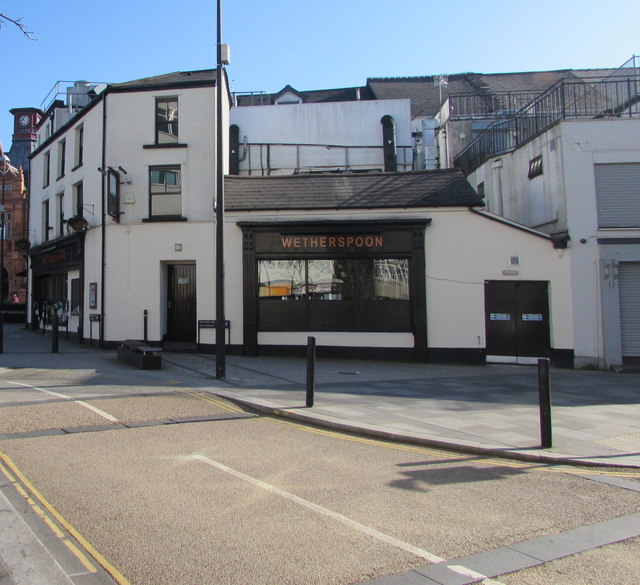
[[517, 320]]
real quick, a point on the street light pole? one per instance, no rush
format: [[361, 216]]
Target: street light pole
[[220, 317]]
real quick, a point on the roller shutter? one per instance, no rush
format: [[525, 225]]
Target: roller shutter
[[618, 194], [629, 279]]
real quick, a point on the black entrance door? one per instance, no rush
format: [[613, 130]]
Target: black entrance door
[[517, 320], [181, 312]]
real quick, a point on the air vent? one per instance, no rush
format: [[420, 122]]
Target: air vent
[[514, 261]]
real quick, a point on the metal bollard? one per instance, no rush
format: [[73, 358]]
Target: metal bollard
[[311, 369], [54, 331], [545, 403]]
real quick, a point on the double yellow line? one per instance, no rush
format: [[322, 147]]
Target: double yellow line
[[56, 523], [554, 468], [212, 399]]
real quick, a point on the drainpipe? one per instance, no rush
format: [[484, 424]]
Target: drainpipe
[[103, 227]]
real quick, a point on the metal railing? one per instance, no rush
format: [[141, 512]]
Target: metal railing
[[494, 105], [614, 95]]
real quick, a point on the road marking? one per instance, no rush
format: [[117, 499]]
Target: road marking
[[324, 511], [99, 412], [212, 399], [24, 484], [473, 574], [396, 446], [93, 409]]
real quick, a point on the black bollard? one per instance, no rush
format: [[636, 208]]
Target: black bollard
[[545, 403], [54, 330], [146, 318], [311, 369]]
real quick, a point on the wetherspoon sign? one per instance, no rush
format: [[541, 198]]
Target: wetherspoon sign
[[315, 242]]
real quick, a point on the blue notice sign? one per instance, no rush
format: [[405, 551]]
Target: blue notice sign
[[499, 317], [532, 316]]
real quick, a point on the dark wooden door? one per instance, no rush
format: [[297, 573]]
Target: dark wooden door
[[181, 311], [517, 319]]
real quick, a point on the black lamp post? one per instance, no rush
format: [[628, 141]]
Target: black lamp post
[[220, 317]]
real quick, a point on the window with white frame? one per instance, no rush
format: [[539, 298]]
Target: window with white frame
[[165, 191], [6, 226]]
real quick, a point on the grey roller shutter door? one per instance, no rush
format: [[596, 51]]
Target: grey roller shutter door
[[618, 194], [629, 278]]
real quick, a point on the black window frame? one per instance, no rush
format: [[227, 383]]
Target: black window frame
[[535, 167], [162, 122], [113, 194], [62, 155], [164, 168]]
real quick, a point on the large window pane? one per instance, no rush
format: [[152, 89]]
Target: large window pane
[[391, 279], [166, 205], [339, 294], [165, 191], [281, 293], [166, 120]]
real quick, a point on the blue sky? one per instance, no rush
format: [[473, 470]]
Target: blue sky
[[308, 44]]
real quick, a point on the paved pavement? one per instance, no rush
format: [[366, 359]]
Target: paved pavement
[[484, 409]]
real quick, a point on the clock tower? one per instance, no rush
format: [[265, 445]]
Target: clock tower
[[25, 122]]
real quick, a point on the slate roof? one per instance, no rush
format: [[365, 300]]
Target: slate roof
[[314, 96], [176, 78], [425, 95], [441, 188]]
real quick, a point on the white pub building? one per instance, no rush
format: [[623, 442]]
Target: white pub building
[[377, 264]]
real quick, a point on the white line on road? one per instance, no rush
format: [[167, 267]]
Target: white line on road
[[324, 511], [99, 412]]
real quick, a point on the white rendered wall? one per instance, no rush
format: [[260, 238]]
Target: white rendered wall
[[462, 250], [334, 124]]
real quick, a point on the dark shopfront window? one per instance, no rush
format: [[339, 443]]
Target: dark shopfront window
[[340, 294]]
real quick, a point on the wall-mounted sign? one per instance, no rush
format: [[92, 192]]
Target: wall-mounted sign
[[499, 317], [93, 295], [321, 241], [113, 194], [532, 317], [335, 243]]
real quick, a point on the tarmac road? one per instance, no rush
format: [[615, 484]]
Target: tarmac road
[[260, 500]]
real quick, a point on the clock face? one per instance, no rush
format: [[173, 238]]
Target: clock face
[[24, 120]]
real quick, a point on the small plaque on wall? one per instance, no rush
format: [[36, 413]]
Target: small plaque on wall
[[93, 295]]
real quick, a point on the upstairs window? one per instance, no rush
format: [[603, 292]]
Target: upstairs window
[[535, 167], [46, 169], [165, 198], [78, 199], [166, 120], [46, 226], [79, 147], [5, 226], [62, 154]]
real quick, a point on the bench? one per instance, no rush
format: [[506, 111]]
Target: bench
[[140, 355]]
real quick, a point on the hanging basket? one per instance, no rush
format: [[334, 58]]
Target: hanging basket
[[77, 223], [22, 245]]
